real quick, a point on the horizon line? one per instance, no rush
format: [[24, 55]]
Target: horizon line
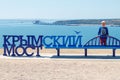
[[53, 19]]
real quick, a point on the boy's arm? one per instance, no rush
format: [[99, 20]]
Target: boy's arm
[[107, 32], [99, 31]]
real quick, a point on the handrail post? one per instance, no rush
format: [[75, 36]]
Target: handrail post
[[58, 52], [114, 52], [85, 52]]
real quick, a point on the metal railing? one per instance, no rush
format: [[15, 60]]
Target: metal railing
[[111, 42]]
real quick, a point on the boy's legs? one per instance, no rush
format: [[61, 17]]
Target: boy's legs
[[103, 41]]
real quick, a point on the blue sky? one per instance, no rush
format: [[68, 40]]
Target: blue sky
[[59, 9]]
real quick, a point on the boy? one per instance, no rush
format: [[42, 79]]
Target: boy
[[103, 33]]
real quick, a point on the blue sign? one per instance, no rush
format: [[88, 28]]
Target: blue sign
[[12, 43]]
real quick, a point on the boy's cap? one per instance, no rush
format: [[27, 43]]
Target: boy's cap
[[103, 22]]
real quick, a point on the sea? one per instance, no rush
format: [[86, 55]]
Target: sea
[[26, 27]]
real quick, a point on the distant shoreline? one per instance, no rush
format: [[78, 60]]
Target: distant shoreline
[[110, 22], [92, 25]]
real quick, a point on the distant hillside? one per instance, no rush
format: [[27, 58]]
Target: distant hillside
[[40, 22], [87, 21]]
